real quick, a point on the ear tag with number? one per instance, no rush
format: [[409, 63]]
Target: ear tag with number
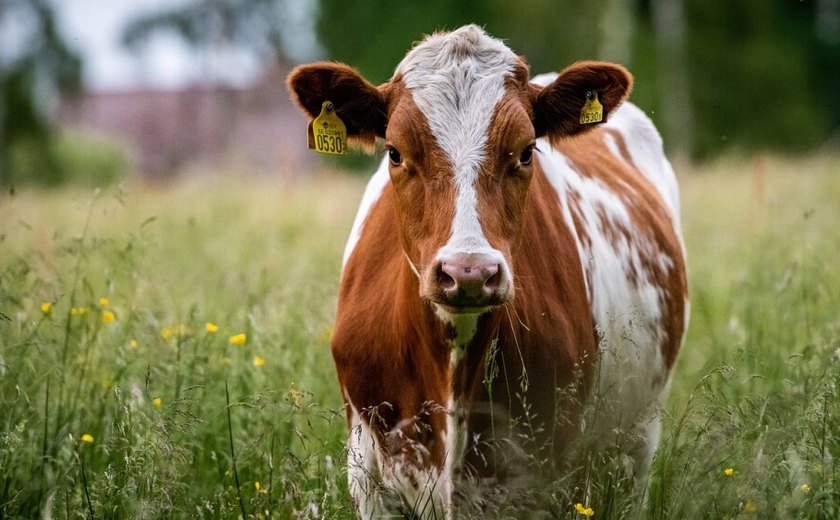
[[327, 133], [592, 111]]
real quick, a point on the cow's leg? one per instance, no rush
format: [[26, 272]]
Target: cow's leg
[[385, 484], [645, 440], [363, 470]]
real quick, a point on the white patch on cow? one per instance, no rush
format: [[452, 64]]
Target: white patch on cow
[[465, 325], [373, 191], [363, 466], [544, 80], [455, 443], [644, 144], [456, 80], [631, 373]]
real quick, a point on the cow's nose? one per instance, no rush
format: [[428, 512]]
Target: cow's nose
[[470, 280], [474, 280]]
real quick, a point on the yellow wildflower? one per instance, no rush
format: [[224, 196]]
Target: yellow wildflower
[[108, 317], [211, 327], [259, 488], [729, 472], [750, 507], [258, 361], [46, 307], [805, 488], [103, 302], [166, 332], [157, 402], [79, 311], [239, 339], [585, 511], [133, 344], [88, 438]]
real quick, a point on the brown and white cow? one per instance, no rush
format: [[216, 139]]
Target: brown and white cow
[[509, 268]]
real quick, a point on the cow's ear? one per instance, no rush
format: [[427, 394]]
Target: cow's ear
[[558, 106], [361, 106]]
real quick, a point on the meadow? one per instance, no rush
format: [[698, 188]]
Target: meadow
[[164, 352]]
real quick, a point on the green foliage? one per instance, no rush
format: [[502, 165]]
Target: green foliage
[[32, 73], [754, 388], [69, 158]]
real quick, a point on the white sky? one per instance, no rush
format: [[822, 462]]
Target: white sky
[[93, 28]]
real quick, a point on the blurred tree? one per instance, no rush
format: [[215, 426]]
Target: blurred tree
[[268, 29], [375, 35], [35, 66], [669, 27]]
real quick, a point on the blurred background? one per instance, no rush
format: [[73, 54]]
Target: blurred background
[[94, 91]]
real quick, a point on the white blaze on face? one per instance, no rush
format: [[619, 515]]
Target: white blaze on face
[[456, 80]]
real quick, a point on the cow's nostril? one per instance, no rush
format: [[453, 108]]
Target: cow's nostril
[[495, 278], [444, 280]]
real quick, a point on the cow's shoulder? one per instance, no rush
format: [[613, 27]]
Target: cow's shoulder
[[629, 133]]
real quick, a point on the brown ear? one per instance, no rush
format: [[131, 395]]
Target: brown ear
[[557, 107], [361, 106]]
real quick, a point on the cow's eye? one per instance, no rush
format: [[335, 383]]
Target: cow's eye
[[394, 156], [527, 155]]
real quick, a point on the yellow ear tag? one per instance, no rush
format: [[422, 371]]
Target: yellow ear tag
[[592, 111], [327, 133]]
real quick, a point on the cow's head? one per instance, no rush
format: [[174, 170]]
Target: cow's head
[[460, 121]]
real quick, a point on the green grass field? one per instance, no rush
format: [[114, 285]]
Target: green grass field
[[164, 352]]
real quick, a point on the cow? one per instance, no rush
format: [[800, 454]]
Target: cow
[[511, 270]]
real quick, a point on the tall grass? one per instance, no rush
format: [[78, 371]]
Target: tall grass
[[118, 398]]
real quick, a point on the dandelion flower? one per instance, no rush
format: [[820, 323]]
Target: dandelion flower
[[79, 311], [108, 317], [211, 327], [729, 472], [46, 308], [750, 507], [103, 302], [133, 344], [585, 511], [805, 488], [166, 332], [239, 339], [88, 438], [157, 402], [258, 361]]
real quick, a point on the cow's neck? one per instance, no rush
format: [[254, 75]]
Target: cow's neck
[[460, 331]]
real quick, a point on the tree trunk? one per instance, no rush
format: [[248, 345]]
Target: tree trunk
[[674, 94], [619, 27]]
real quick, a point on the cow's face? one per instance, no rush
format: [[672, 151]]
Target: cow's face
[[460, 121]]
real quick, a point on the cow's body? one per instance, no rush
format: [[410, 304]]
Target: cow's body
[[588, 325]]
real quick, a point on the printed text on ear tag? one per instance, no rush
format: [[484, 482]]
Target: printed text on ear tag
[[327, 133], [592, 111]]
